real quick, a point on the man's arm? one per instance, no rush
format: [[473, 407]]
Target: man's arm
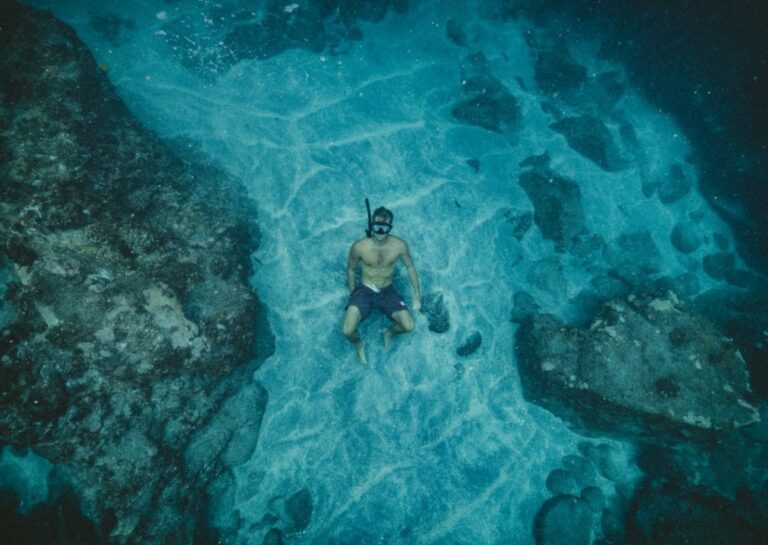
[[352, 260], [412, 276]]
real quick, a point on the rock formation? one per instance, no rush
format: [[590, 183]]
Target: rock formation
[[127, 312], [645, 366]]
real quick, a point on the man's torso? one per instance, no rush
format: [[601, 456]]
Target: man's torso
[[378, 261]]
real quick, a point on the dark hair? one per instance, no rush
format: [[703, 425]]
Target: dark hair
[[383, 212]]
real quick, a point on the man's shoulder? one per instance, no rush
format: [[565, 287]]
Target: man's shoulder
[[361, 244], [399, 241]]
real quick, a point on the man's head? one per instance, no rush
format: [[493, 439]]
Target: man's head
[[382, 221]]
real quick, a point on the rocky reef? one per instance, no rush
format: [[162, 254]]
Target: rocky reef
[[227, 35], [643, 366], [127, 318], [653, 371]]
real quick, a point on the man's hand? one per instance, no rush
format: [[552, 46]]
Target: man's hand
[[417, 304]]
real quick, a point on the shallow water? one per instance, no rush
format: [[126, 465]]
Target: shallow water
[[420, 446]]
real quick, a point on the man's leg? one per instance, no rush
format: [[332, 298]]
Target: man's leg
[[403, 324], [351, 321]]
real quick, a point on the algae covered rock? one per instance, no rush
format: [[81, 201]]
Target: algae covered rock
[[643, 366], [127, 310]]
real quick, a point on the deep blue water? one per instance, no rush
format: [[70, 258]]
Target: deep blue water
[[422, 445]]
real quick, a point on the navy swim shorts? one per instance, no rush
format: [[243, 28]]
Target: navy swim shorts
[[386, 300]]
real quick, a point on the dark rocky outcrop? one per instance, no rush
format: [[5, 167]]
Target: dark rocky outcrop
[[470, 345], [718, 265], [127, 314], [643, 367], [557, 207], [433, 307], [589, 137], [57, 521], [455, 32], [703, 74], [685, 237], [557, 72], [520, 221], [563, 520], [688, 514], [231, 34], [524, 305], [486, 102], [634, 255], [674, 186]]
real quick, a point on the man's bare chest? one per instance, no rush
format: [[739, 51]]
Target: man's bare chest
[[379, 258]]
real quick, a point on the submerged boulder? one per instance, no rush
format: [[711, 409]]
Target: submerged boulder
[[436, 312], [674, 186], [688, 514], [486, 102], [589, 137], [563, 520], [685, 237], [643, 366], [129, 312], [557, 207], [557, 72]]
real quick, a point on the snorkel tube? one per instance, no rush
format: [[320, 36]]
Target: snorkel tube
[[370, 223]]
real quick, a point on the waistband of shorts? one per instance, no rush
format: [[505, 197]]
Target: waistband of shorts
[[379, 290]]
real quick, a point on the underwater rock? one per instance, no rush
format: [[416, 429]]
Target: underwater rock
[[132, 318], [685, 515], [436, 312], [607, 287], [674, 186], [471, 345], [612, 525], [589, 137], [273, 537], [634, 256], [561, 481], [298, 509], [523, 306], [455, 32], [279, 30], [747, 280], [520, 220], [643, 366], [211, 41], [557, 72], [594, 497], [742, 315], [685, 237], [718, 264], [110, 26], [609, 89], [683, 286], [487, 103], [581, 469], [557, 207], [45, 523], [538, 163], [563, 520]]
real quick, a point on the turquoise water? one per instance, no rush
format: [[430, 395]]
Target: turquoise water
[[420, 446]]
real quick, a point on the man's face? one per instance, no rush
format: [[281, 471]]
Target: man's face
[[381, 227]]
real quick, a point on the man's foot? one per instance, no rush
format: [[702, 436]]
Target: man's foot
[[360, 348], [388, 334]]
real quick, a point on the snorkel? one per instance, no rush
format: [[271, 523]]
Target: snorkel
[[370, 223]]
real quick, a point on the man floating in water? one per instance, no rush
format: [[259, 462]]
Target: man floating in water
[[378, 253]]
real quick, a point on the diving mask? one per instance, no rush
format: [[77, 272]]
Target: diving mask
[[381, 228]]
